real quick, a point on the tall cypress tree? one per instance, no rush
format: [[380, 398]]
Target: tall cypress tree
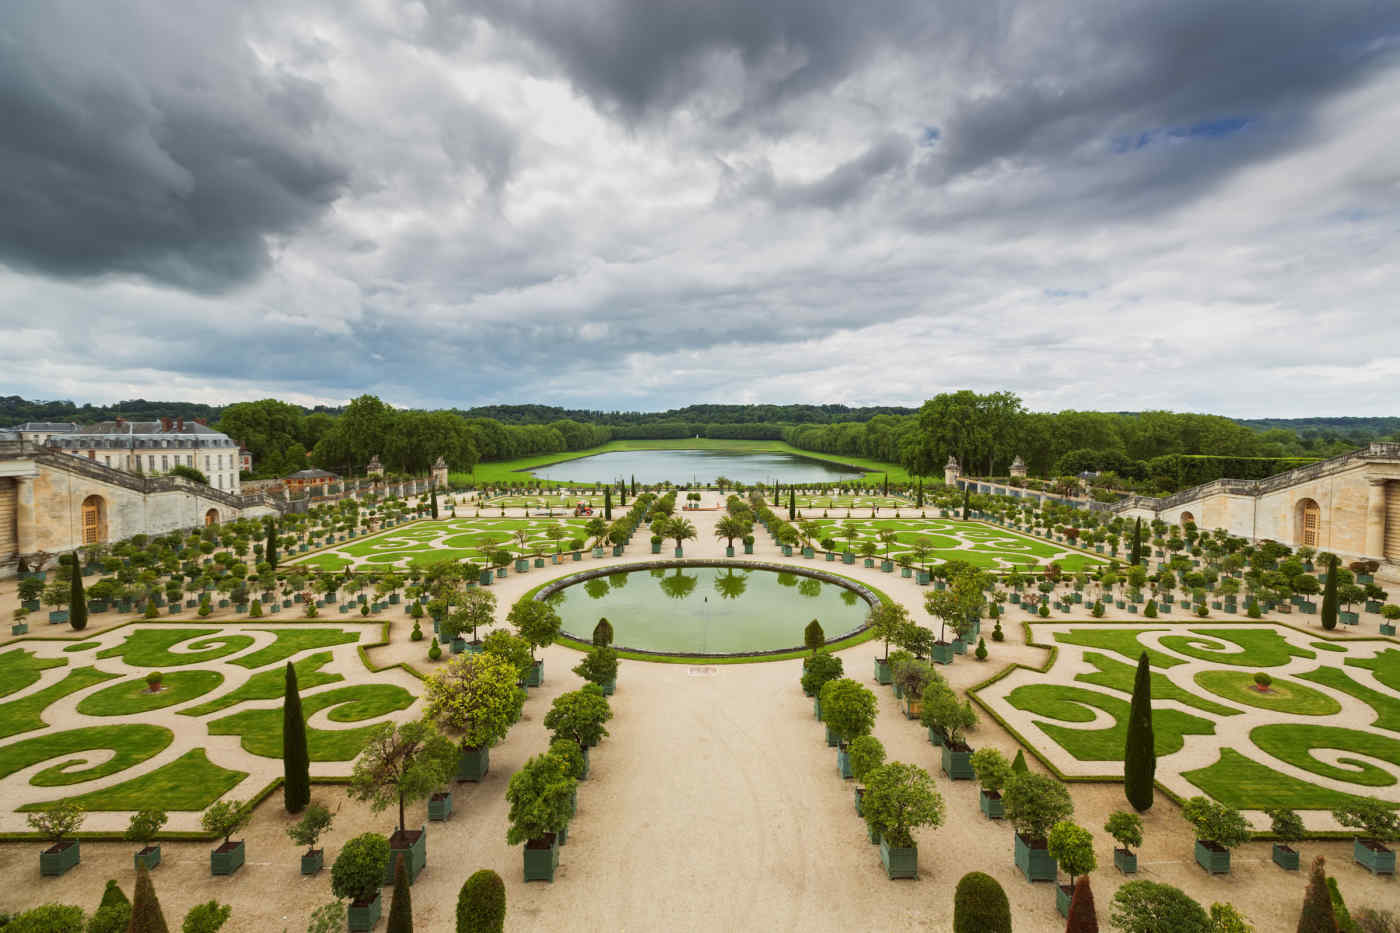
[[1329, 596], [607, 503], [792, 505], [1140, 748], [145, 906], [887, 484], [78, 614], [296, 761], [920, 503], [434, 501], [634, 485], [1136, 557], [270, 552], [1317, 915], [967, 499], [401, 907]]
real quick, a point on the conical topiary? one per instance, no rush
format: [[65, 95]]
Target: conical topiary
[[980, 905], [1329, 597], [1317, 915], [296, 760], [145, 906], [77, 599], [1139, 747], [1018, 764], [1082, 917], [401, 908]]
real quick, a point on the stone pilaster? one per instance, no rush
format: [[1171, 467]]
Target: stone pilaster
[[1375, 517]]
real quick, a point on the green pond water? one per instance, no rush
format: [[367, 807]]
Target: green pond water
[[696, 466], [708, 610]]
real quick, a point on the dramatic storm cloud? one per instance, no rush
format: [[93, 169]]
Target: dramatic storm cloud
[[644, 203]]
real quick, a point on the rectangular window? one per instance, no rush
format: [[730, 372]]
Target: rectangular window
[[151, 463], [164, 463]]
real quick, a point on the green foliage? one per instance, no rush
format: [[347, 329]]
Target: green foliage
[[865, 754], [603, 633], [145, 824], [540, 797], [47, 918], [1317, 915], [1072, 846], [1149, 907], [1374, 819], [513, 649], [57, 820], [109, 918], [568, 751], [1339, 907], [1018, 764], [848, 708], [887, 620], [401, 763], [225, 818], [112, 895], [401, 907], [474, 697], [208, 917], [481, 905], [901, 797], [358, 871], [992, 769], [296, 759], [536, 621], [146, 916], [328, 918], [315, 821], [1140, 747], [943, 711], [819, 670], [579, 715], [1125, 828], [1224, 918], [1215, 822], [1285, 824], [813, 637], [77, 600], [980, 905], [981, 652], [599, 666], [434, 650], [1035, 802]]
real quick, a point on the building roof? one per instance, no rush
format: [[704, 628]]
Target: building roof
[[50, 427], [311, 474]]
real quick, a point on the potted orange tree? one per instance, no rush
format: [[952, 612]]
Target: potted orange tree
[[898, 799], [402, 763], [541, 798], [56, 823], [358, 874], [474, 697]]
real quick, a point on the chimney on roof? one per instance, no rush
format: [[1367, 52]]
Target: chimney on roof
[[180, 425], [120, 420], [203, 421], [165, 424]]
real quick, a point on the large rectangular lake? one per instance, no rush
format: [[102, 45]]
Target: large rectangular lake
[[695, 466]]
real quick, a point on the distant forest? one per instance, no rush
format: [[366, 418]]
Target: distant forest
[[1151, 451]]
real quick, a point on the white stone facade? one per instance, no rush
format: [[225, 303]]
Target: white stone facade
[[153, 448]]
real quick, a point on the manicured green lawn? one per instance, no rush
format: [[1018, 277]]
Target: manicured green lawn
[[131, 744], [130, 697], [19, 668], [1387, 707], [1292, 743], [150, 647], [1262, 647], [24, 714], [261, 730], [81, 646], [1122, 641], [190, 782], [1328, 646], [984, 546], [1385, 665], [292, 641], [426, 543], [1068, 705], [1119, 675], [268, 685], [1284, 696], [1241, 782]]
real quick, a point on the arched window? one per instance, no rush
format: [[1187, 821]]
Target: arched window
[[1307, 523], [1186, 518], [211, 517], [94, 514]]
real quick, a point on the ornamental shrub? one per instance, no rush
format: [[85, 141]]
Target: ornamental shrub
[[997, 633], [481, 905], [1139, 747], [1097, 611], [1035, 802], [981, 652], [813, 637], [401, 907], [866, 753], [146, 916], [358, 872], [434, 651], [1044, 611], [980, 905], [819, 670], [417, 633], [1149, 907], [208, 917], [47, 918], [901, 797], [603, 633], [1263, 681], [1317, 915], [848, 708]]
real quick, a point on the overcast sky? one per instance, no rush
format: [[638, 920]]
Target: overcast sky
[[1105, 204]]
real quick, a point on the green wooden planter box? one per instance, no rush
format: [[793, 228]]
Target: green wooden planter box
[[1063, 895], [536, 675], [1285, 857], [913, 707], [882, 671], [748, 548], [901, 862], [440, 806], [58, 616], [1373, 606], [1307, 606], [541, 861], [843, 764], [362, 916], [57, 859], [227, 858], [872, 834], [817, 708], [458, 645], [830, 557], [312, 861], [787, 550], [935, 738], [809, 552], [1125, 860], [1349, 618], [522, 564], [502, 572], [887, 566], [848, 558], [1376, 858], [957, 763], [1035, 863], [149, 856], [830, 738], [539, 562], [991, 807], [860, 804], [578, 555], [656, 548], [1214, 859], [942, 653], [473, 763], [31, 604], [414, 848], [1387, 628], [960, 646], [19, 628], [869, 562]]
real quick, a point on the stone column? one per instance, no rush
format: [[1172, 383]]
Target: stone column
[[26, 524], [1375, 517]]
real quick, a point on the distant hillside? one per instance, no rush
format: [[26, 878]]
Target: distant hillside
[[15, 410], [707, 414], [1356, 431]]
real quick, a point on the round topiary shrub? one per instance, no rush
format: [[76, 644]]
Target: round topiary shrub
[[153, 680], [481, 906], [1044, 611], [434, 650], [980, 905], [417, 633], [358, 872]]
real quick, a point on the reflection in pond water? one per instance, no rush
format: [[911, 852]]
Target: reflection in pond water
[[709, 610]]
